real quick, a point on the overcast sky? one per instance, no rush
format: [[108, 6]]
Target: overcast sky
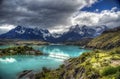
[[58, 15]]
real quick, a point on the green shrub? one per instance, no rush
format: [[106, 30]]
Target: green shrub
[[96, 51], [108, 71], [117, 76], [44, 69], [115, 58]]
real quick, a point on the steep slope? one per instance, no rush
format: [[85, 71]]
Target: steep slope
[[108, 40]]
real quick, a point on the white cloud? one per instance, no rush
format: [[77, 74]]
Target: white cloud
[[110, 18], [5, 28], [97, 10], [85, 3]]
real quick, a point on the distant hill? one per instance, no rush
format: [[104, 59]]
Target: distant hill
[[112, 30], [82, 42]]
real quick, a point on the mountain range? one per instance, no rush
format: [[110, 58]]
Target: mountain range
[[26, 33], [73, 34]]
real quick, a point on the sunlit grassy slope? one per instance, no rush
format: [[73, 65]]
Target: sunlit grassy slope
[[107, 40], [93, 65]]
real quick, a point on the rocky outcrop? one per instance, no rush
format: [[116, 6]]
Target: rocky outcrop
[[26, 74]]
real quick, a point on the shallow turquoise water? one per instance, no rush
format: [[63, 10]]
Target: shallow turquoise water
[[61, 50], [11, 66], [6, 46]]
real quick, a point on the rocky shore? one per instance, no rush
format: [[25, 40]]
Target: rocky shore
[[26, 74]]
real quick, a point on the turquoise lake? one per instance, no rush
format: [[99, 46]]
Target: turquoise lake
[[11, 66]]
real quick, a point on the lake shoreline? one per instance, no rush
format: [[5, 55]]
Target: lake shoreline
[[52, 56]]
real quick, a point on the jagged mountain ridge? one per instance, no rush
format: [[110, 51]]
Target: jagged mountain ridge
[[76, 33], [73, 34], [27, 34]]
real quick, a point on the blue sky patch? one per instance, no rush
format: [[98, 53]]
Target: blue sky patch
[[103, 5]]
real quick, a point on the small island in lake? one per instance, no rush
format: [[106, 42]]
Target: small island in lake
[[19, 50]]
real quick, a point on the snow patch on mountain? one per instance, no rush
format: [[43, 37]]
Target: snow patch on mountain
[[20, 32]]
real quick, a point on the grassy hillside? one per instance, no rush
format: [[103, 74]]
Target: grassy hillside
[[98, 64], [93, 65], [109, 39]]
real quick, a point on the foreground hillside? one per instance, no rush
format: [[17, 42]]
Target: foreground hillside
[[98, 64], [93, 65]]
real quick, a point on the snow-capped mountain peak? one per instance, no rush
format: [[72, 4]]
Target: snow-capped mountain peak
[[21, 32], [56, 35], [75, 28], [74, 33]]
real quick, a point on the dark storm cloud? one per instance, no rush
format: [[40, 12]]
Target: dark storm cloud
[[45, 13], [1, 1], [55, 15]]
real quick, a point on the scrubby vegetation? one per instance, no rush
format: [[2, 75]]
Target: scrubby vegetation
[[22, 42], [19, 50], [109, 39], [110, 70], [97, 64]]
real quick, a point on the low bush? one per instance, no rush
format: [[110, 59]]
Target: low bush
[[117, 76], [110, 70]]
